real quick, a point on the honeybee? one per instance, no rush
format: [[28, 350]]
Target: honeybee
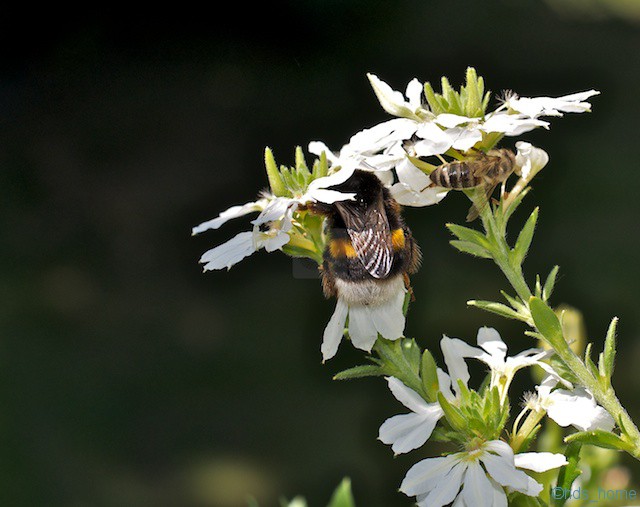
[[486, 170], [370, 252]]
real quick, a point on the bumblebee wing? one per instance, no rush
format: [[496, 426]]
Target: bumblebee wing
[[370, 235]]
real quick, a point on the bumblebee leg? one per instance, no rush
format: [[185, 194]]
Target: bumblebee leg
[[328, 281], [407, 284]]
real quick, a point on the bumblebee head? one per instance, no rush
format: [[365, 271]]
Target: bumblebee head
[[365, 184]]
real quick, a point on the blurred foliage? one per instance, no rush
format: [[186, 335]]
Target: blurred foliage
[[130, 378]]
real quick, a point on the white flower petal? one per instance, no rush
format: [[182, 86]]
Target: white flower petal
[[489, 339], [539, 461], [501, 448], [550, 106], [275, 210], [434, 140], [511, 124], [361, 328], [529, 159], [318, 148], [477, 490], [382, 135], [327, 196], [449, 120], [412, 176], [407, 196], [391, 101], [504, 471], [426, 474], [454, 351], [444, 383], [229, 253], [448, 489], [414, 93], [340, 176], [577, 408], [334, 331], [232, 212], [464, 138], [407, 432], [499, 496], [388, 319], [271, 241], [407, 396]]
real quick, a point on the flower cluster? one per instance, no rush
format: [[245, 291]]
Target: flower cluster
[[479, 474], [332, 213], [397, 151]]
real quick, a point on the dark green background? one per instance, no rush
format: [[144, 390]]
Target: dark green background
[[128, 377]]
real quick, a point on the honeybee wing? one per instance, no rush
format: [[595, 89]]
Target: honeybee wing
[[490, 163], [370, 235], [475, 209]]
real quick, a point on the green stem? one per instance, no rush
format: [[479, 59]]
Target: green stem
[[496, 233]]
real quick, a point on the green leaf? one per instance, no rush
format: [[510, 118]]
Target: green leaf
[[342, 496], [301, 163], [609, 352], [538, 290], [470, 235], [515, 303], [498, 309], [412, 353], [550, 283], [432, 99], [547, 322], [471, 248], [365, 370], [275, 180], [525, 237], [562, 369], [429, 375], [473, 93], [600, 438], [589, 362], [453, 414], [569, 472]]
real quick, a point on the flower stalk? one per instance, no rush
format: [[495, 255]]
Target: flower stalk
[[549, 327]]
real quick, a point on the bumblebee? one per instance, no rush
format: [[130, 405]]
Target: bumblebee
[[370, 252], [486, 170]]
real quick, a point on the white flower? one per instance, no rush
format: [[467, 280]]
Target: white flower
[[270, 229], [409, 431], [384, 317], [550, 106], [275, 213], [503, 368], [575, 407], [377, 149], [394, 103], [511, 124], [476, 478], [530, 160]]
